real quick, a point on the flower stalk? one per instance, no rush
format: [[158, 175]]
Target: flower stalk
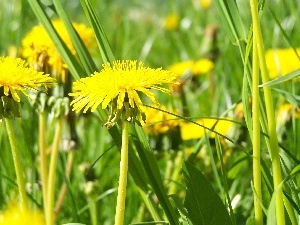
[[17, 164], [258, 215], [120, 208], [52, 173], [43, 157]]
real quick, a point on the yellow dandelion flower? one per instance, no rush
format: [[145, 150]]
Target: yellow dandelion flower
[[181, 68], [192, 131], [171, 22], [13, 215], [205, 4], [15, 76], [202, 66], [159, 122], [282, 61], [120, 81], [40, 51], [198, 67]]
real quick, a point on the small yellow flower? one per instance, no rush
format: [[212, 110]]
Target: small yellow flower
[[282, 61], [40, 51], [192, 131], [202, 66], [171, 22], [15, 76], [13, 215], [198, 67], [181, 68], [205, 4], [120, 81], [159, 122]]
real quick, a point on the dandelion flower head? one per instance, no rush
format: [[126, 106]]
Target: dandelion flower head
[[40, 51], [13, 215], [160, 122], [193, 131], [282, 61], [201, 66], [205, 4], [171, 22], [120, 81], [15, 76]]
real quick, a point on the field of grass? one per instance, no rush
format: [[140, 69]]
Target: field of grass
[[222, 146]]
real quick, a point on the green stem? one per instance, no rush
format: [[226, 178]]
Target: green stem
[[258, 215], [93, 210], [120, 209], [52, 173], [17, 164], [43, 157], [176, 173], [274, 148]]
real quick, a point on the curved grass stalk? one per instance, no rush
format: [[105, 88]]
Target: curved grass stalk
[[273, 142]]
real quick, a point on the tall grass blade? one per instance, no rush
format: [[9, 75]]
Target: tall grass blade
[[150, 164], [105, 50], [232, 20], [82, 52], [74, 66]]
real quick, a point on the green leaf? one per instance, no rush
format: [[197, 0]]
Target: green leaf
[[73, 65], [152, 170], [282, 79], [232, 20], [202, 202], [82, 52], [105, 50]]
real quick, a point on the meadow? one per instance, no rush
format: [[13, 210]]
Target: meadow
[[189, 110]]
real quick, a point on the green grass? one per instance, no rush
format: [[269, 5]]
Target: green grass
[[134, 30]]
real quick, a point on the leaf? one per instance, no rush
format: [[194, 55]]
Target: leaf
[[152, 170], [105, 50], [82, 52], [282, 79], [232, 20], [202, 202]]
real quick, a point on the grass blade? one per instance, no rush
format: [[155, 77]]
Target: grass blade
[[105, 50], [73, 65], [82, 52]]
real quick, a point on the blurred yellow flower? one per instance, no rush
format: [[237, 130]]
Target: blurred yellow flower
[[158, 122], [15, 76], [202, 66], [198, 67], [171, 22], [282, 61], [205, 4], [13, 215], [192, 131], [40, 51], [120, 81]]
